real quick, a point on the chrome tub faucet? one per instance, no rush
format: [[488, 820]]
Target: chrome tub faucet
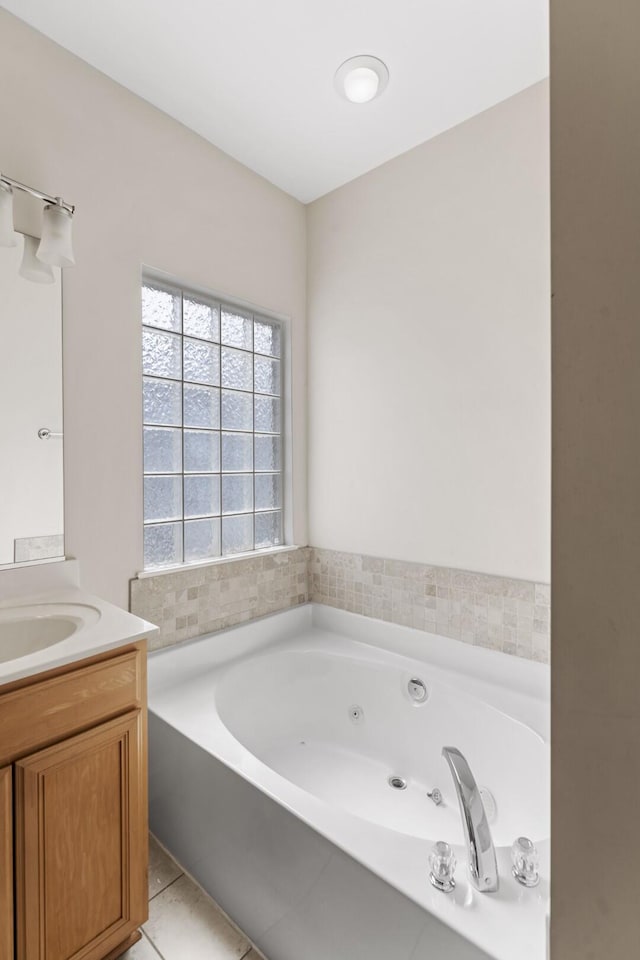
[[483, 868]]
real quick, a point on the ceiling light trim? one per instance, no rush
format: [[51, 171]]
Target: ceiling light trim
[[363, 92]]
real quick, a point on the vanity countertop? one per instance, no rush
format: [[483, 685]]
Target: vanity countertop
[[110, 629]]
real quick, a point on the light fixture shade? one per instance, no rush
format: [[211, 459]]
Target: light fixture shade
[[361, 85], [55, 247], [361, 79], [31, 268], [7, 233]]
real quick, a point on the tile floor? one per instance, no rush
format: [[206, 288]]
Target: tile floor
[[184, 922]]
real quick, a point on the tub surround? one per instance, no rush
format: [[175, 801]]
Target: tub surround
[[231, 799], [496, 612], [499, 613], [204, 599]]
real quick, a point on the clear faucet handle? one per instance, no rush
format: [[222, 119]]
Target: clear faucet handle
[[443, 864], [524, 858]]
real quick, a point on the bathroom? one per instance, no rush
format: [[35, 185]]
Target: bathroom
[[286, 498]]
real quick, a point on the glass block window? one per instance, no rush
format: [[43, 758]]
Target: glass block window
[[212, 395]]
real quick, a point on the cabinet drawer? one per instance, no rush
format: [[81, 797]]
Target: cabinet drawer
[[48, 710]]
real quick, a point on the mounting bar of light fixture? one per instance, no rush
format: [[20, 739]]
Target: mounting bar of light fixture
[[47, 198]]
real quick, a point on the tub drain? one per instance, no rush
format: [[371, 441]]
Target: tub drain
[[398, 783]]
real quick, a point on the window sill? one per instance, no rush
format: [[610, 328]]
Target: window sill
[[216, 561]]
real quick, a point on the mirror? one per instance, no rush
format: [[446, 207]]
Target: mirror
[[31, 470]]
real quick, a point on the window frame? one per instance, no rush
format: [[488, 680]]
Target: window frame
[[161, 281]]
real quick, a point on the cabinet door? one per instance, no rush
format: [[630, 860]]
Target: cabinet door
[[6, 865], [81, 843]]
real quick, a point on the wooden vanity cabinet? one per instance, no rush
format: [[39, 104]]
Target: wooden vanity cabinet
[[6, 864], [73, 810]]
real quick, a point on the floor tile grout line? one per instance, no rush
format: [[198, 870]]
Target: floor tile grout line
[[170, 884], [217, 906], [152, 944], [185, 873]]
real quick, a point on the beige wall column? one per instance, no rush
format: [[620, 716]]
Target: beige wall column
[[428, 312], [595, 149]]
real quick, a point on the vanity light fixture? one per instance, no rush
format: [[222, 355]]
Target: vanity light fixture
[[7, 233], [55, 247], [361, 79], [31, 268]]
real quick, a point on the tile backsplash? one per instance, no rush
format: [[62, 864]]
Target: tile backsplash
[[489, 611], [187, 603], [38, 548], [478, 608]]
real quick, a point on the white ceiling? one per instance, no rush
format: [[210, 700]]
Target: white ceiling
[[255, 77]]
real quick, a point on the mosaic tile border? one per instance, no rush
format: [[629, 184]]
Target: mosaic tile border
[[197, 600], [495, 612], [499, 613]]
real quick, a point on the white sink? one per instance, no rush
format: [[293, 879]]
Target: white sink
[[32, 627]]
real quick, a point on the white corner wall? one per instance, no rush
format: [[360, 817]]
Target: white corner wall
[[148, 192], [429, 383]]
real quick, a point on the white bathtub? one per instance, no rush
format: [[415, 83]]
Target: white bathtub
[[271, 748]]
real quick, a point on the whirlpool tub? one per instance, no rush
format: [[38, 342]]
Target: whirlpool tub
[[290, 768]]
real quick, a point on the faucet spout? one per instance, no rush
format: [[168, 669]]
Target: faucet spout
[[483, 868]]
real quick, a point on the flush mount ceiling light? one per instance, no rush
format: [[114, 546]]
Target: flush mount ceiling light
[[55, 246], [361, 79]]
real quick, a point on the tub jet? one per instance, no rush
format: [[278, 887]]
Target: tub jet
[[398, 783]]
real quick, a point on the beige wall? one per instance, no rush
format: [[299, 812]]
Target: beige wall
[[428, 309], [148, 191], [595, 178]]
